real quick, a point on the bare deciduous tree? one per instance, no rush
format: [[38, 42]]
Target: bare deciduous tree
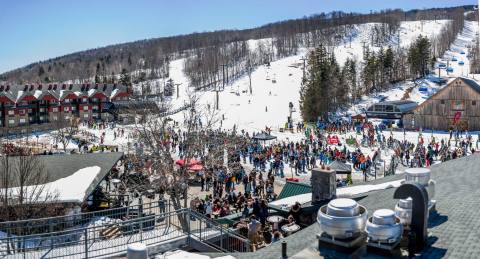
[[22, 182]]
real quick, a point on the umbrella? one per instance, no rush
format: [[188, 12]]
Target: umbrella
[[196, 167], [191, 162], [340, 167], [264, 136]]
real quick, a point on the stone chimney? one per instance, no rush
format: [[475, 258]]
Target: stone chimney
[[324, 185]]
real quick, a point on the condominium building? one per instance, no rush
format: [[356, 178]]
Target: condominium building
[[39, 104]]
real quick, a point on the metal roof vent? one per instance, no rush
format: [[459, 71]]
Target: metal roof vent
[[422, 177], [342, 218], [403, 210], [384, 227]]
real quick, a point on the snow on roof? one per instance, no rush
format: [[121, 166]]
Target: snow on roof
[[37, 93], [19, 94], [91, 91], [114, 92], [72, 188], [345, 192]]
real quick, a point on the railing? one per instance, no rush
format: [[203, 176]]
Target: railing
[[53, 224], [216, 236], [97, 240], [111, 235]]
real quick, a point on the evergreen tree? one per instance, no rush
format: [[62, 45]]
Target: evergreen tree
[[125, 78], [97, 79], [323, 90], [388, 64], [419, 57]]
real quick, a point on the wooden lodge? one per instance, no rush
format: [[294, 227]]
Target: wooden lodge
[[456, 106]]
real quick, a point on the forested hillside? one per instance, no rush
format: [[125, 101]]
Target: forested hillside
[[211, 56]]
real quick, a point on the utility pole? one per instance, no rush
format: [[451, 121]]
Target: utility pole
[[217, 98], [304, 67], [178, 90], [363, 48], [223, 75], [250, 76]]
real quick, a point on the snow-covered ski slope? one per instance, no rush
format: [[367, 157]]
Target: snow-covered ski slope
[[459, 51], [268, 105], [406, 34]]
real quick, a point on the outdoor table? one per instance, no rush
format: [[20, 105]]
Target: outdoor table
[[290, 229], [275, 220]]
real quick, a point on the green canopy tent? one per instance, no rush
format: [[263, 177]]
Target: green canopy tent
[[340, 167]]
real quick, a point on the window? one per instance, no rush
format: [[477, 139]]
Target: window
[[11, 112], [65, 109], [94, 100], [67, 117], [41, 118], [474, 103], [85, 115], [22, 121], [457, 105], [42, 109], [55, 109], [442, 101], [21, 112], [84, 100], [389, 108], [29, 110], [73, 108], [11, 121], [85, 108], [55, 118], [66, 100]]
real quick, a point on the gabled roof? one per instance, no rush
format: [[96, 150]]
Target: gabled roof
[[473, 84], [340, 167], [41, 94], [292, 189], [62, 166]]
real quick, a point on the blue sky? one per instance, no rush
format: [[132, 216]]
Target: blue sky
[[34, 30]]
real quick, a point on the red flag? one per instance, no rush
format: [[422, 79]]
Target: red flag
[[457, 117]]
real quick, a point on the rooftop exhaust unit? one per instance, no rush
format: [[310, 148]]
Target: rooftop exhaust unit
[[384, 229], [422, 177], [403, 210], [343, 224]]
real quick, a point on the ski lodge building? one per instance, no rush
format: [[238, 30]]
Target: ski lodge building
[[34, 105], [456, 106]]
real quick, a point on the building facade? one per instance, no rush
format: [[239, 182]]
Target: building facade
[[456, 106], [33, 105]]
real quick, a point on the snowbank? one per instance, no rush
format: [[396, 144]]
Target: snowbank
[[346, 192]]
